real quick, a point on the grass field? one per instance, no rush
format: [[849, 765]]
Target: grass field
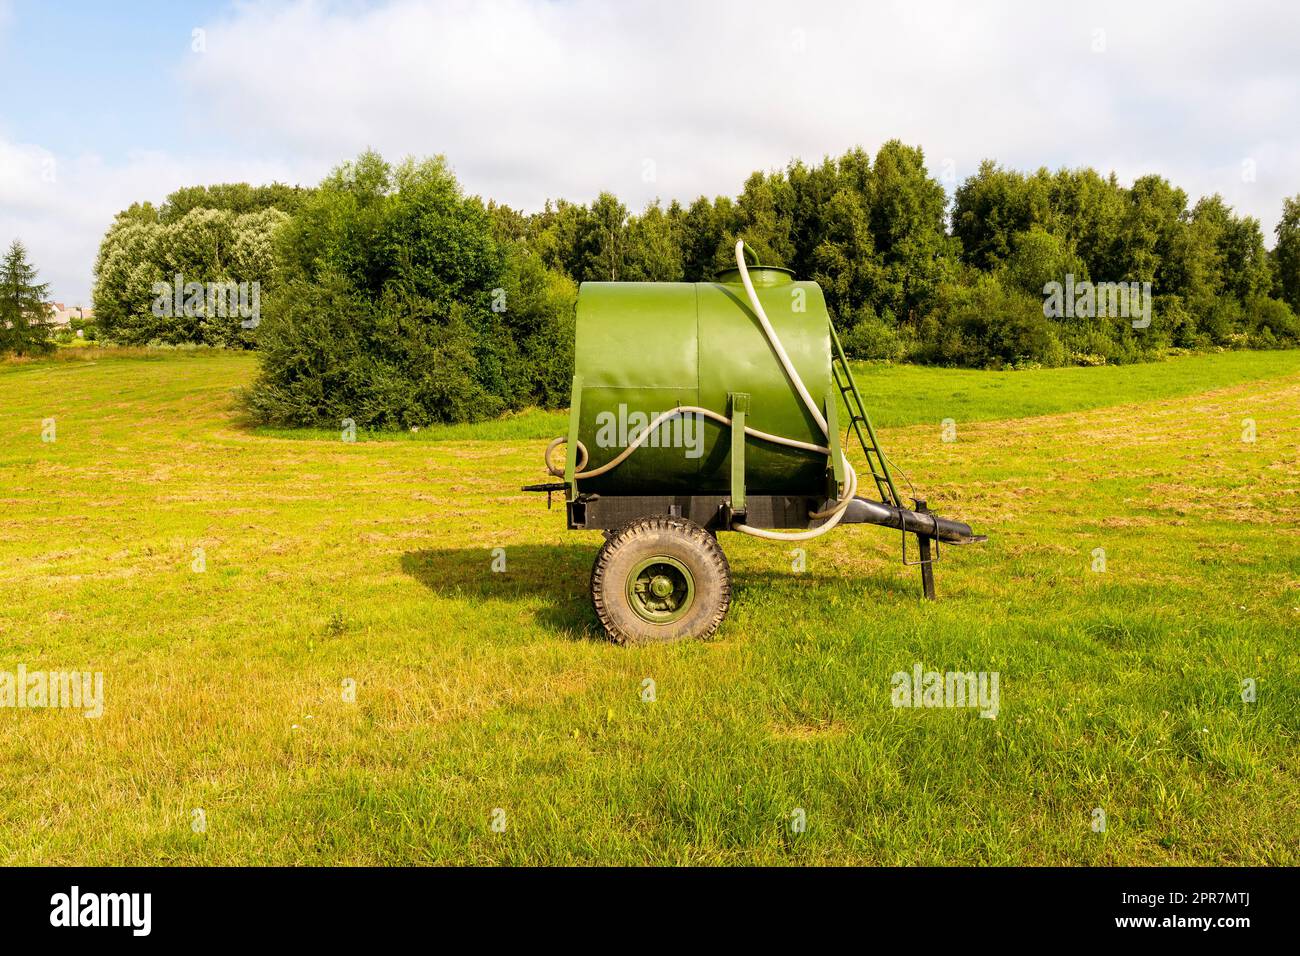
[[326, 562]]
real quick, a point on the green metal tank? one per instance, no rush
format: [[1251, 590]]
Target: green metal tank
[[646, 347], [732, 395]]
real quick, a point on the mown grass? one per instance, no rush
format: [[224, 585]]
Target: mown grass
[[329, 561]]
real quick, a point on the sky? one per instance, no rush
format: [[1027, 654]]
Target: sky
[[102, 105]]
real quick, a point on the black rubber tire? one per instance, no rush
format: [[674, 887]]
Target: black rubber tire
[[677, 538]]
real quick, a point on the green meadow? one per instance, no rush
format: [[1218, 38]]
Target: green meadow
[[307, 657]]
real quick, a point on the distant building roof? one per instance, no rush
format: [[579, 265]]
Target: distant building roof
[[61, 314]]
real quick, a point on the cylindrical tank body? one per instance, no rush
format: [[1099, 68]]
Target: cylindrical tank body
[[646, 347]]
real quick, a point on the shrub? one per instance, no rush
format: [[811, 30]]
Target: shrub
[[398, 308], [1272, 321], [871, 337], [985, 324], [1223, 318]]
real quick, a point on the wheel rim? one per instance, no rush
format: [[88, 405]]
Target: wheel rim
[[660, 589]]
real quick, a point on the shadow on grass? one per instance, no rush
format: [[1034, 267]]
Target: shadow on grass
[[557, 574]]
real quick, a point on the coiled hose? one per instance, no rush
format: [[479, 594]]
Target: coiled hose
[[831, 515]]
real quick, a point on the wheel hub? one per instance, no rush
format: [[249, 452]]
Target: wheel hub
[[660, 589]]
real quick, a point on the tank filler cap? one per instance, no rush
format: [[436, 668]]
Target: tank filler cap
[[763, 277]]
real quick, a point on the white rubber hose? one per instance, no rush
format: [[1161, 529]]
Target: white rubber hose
[[833, 513], [645, 433], [836, 511]]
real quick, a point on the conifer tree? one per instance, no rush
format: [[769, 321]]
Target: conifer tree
[[24, 313]]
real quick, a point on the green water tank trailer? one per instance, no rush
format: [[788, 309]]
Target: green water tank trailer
[[714, 406]]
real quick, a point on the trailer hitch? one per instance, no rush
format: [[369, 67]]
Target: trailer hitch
[[922, 522], [550, 487]]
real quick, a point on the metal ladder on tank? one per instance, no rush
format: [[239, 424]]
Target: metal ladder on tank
[[842, 375], [848, 389]]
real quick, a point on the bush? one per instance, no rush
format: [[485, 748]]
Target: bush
[[330, 354], [986, 325], [1272, 322], [397, 308], [873, 338], [1223, 319]]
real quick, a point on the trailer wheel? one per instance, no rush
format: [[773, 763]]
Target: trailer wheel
[[660, 579]]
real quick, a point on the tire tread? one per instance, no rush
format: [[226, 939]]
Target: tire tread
[[700, 540]]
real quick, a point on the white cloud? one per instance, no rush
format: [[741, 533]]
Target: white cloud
[[531, 100], [537, 100], [60, 207]]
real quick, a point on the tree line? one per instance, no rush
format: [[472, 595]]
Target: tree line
[[391, 298], [906, 278]]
